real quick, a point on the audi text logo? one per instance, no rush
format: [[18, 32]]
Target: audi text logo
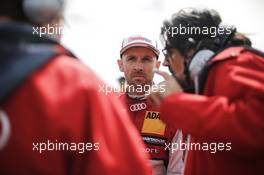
[[138, 107]]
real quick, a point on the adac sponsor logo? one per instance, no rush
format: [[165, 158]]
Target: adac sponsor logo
[[152, 123], [152, 115]]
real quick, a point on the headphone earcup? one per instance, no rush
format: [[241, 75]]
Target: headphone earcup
[[42, 11], [198, 62]]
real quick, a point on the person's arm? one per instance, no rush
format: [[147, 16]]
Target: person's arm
[[234, 112]]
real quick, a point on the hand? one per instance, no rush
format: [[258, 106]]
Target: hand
[[169, 86]]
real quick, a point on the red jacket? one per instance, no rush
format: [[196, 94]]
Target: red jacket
[[60, 102], [230, 111]]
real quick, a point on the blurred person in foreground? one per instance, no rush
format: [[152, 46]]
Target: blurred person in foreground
[[53, 120]]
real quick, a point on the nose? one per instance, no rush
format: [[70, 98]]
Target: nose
[[138, 66]]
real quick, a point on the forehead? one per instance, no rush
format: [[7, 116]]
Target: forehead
[[139, 51]]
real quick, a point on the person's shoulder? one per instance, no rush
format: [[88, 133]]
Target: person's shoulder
[[65, 71], [237, 53], [68, 65], [252, 55], [226, 54], [238, 67]]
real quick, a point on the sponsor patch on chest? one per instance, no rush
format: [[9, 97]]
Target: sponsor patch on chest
[[152, 123]]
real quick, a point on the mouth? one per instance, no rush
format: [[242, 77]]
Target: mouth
[[137, 75], [139, 78]]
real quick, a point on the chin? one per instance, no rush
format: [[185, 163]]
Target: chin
[[139, 81], [142, 83]]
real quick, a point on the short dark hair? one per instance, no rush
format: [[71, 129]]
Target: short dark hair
[[12, 9]]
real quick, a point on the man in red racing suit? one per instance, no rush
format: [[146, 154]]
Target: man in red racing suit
[[137, 62]]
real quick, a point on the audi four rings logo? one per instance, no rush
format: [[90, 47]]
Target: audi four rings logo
[[138, 107]]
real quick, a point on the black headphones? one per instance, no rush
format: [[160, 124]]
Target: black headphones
[[43, 11]]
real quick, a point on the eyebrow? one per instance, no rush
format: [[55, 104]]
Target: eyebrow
[[145, 56], [130, 56]]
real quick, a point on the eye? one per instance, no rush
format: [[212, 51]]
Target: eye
[[147, 59], [131, 58]]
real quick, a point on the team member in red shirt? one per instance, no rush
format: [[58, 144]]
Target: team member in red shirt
[[226, 114], [138, 57], [53, 119]]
